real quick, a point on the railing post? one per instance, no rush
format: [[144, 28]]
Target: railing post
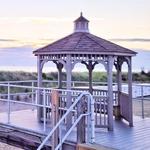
[[142, 101], [32, 96], [8, 98], [55, 107], [36, 97], [89, 120], [81, 125], [60, 136], [92, 120], [44, 109]]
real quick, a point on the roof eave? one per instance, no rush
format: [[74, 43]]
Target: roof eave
[[94, 53]]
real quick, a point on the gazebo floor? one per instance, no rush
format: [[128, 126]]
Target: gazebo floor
[[127, 138], [123, 136]]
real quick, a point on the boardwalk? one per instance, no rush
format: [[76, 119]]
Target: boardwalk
[[126, 138], [123, 137]]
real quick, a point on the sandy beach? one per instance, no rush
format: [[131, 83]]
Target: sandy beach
[[4, 146]]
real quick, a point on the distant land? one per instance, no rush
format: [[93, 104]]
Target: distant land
[[22, 59]]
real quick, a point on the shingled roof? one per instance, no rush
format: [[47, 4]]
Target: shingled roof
[[84, 43]]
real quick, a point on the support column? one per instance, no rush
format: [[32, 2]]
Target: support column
[[117, 109], [69, 100], [130, 91], [110, 93], [119, 79], [39, 98], [59, 67], [90, 68]]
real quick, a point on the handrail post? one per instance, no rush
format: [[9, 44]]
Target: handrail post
[[8, 98], [32, 96], [44, 109], [142, 101], [81, 125], [92, 120], [55, 107], [36, 97], [60, 137], [88, 120]]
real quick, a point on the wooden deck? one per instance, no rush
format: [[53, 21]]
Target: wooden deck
[[123, 136], [127, 138]]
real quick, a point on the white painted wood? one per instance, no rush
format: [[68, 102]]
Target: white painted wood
[[69, 102], [39, 99], [119, 80], [110, 92], [130, 91], [59, 67], [90, 77]]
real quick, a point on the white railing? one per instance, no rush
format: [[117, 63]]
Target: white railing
[[139, 91], [46, 92], [137, 87], [90, 122], [46, 105]]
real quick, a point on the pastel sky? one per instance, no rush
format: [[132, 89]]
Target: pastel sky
[[35, 23]]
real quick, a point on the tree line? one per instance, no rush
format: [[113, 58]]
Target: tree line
[[76, 76]]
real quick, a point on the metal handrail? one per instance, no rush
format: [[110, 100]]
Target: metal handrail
[[70, 130], [75, 123], [32, 103]]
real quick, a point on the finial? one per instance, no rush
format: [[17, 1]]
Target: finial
[[81, 13]]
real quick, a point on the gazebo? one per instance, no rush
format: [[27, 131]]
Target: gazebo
[[83, 47]]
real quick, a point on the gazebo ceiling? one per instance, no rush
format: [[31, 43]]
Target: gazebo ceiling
[[82, 42]]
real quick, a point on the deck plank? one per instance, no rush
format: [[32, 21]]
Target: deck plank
[[123, 136]]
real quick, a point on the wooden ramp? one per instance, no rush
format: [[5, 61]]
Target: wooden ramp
[[20, 138], [27, 140]]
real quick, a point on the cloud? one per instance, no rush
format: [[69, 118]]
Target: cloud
[[131, 40], [43, 20], [8, 40]]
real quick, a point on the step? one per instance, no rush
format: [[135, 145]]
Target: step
[[92, 147]]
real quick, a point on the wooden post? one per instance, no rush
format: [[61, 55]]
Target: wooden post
[[110, 93], [90, 68], [55, 117], [130, 91], [117, 108], [59, 67], [39, 96], [81, 125], [69, 101]]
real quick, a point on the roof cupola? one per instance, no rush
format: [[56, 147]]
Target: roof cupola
[[81, 24]]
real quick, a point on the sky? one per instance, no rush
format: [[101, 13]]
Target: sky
[[26, 25]]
